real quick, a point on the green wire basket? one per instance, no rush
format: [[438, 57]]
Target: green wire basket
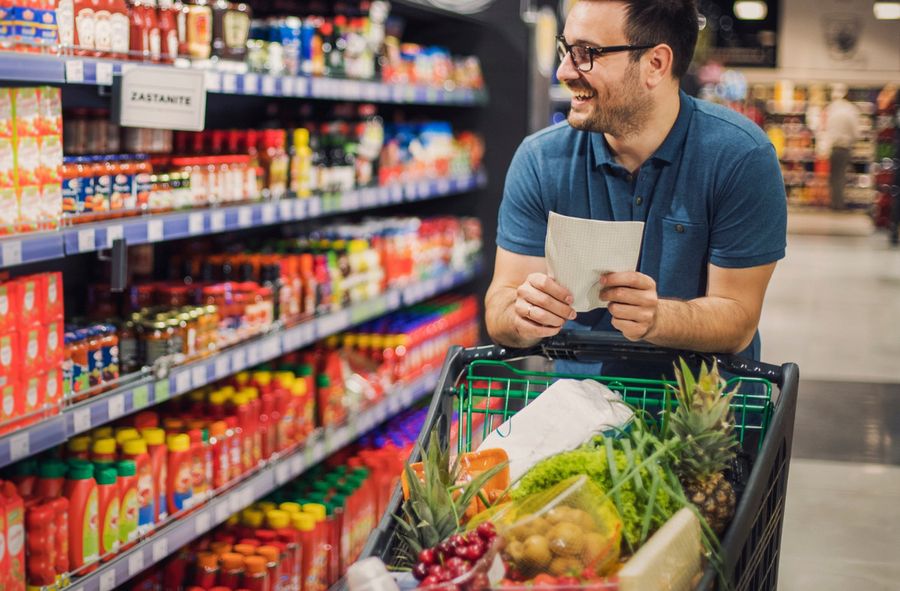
[[495, 390]]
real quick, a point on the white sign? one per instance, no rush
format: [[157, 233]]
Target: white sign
[[163, 98]]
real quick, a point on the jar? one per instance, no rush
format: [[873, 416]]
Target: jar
[[143, 172], [177, 337], [75, 131], [163, 192], [156, 337], [210, 323], [199, 29], [213, 180], [189, 322], [173, 296], [128, 345]]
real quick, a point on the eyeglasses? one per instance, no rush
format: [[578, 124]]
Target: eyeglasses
[[583, 55]]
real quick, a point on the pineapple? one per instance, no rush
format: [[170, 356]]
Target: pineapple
[[437, 503], [703, 424]]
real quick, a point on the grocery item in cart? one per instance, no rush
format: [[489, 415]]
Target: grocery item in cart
[[585, 407]]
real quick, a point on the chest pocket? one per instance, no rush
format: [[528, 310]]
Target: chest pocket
[[684, 257]]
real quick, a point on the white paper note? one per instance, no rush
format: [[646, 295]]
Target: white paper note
[[579, 251]]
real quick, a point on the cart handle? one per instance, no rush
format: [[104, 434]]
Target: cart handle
[[586, 345]]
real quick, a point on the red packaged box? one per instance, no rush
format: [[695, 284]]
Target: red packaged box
[[9, 404], [31, 347], [8, 300], [9, 355], [13, 511], [29, 301], [53, 296], [53, 345], [32, 388], [53, 389]]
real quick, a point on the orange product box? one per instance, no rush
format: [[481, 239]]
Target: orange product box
[[8, 305], [9, 200], [6, 113], [49, 206], [4, 556], [13, 511], [26, 151], [32, 388], [52, 389], [10, 404], [9, 355], [29, 301], [53, 296], [26, 112], [31, 348], [53, 345], [50, 110]]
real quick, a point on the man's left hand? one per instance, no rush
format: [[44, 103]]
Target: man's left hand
[[633, 302]]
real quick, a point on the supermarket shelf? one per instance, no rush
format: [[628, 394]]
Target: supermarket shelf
[[31, 248], [274, 474], [150, 390], [52, 69]]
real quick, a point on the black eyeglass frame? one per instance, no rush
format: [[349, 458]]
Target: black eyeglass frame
[[561, 44]]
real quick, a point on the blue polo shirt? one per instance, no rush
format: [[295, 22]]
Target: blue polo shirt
[[712, 193]]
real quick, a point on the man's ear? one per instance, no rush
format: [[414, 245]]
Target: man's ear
[[657, 64]]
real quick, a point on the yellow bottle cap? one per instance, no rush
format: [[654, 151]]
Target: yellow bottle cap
[[278, 519], [134, 447], [252, 518], [303, 521], [105, 446], [242, 378], [233, 520], [285, 379], [154, 436], [266, 506], [125, 433], [217, 398], [102, 432], [316, 510], [251, 393], [227, 391], [301, 137], [240, 399], [290, 508], [299, 388], [263, 378], [79, 444], [179, 442]]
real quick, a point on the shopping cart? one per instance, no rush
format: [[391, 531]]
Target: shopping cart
[[482, 381]]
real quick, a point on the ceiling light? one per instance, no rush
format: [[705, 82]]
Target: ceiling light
[[751, 10], [887, 11]]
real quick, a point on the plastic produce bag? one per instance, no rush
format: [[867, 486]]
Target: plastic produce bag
[[570, 530]]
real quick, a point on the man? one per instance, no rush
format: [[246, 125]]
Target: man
[[841, 131], [705, 180]]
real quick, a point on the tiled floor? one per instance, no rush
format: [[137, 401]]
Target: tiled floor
[[834, 308]]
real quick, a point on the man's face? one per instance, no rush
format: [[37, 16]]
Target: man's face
[[611, 97]]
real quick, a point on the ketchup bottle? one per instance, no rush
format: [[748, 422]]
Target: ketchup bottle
[[108, 500], [178, 483], [128, 502], [152, 26], [136, 450], [39, 543], [51, 479], [158, 452], [168, 30], [61, 516], [81, 490]]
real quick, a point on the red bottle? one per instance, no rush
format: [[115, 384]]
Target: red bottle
[[232, 570], [40, 546], [108, 501], [168, 30], [152, 26], [256, 574], [61, 512], [51, 479], [158, 452], [199, 484], [207, 571], [235, 447], [220, 450]]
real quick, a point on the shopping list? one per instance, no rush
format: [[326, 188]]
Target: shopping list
[[579, 251]]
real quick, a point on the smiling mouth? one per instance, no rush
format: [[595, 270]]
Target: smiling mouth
[[582, 95]]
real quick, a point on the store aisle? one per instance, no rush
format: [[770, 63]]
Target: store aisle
[[834, 308]]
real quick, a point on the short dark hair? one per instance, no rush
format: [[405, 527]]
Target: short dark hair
[[673, 22]]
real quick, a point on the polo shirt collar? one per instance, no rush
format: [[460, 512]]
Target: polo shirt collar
[[667, 152]]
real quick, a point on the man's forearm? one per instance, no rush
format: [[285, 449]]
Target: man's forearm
[[500, 318], [709, 324]]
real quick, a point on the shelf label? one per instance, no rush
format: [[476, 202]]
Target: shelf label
[[234, 503], [221, 512], [217, 221], [268, 85], [201, 523], [245, 217], [140, 397], [247, 497], [108, 579], [163, 98], [288, 86], [282, 472], [286, 210], [300, 207], [136, 562], [115, 407], [161, 390], [74, 71], [195, 223], [315, 207], [253, 354], [268, 213], [19, 447], [154, 231], [183, 382], [104, 73], [114, 233], [160, 549], [251, 84], [198, 376], [81, 420], [212, 81], [12, 252], [296, 464], [396, 193], [221, 366], [443, 186], [229, 83], [238, 360], [86, 241]]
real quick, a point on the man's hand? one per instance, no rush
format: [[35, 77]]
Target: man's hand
[[633, 303], [542, 306]]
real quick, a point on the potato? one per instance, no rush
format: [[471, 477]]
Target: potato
[[515, 550], [582, 519], [566, 539], [594, 545], [536, 552], [557, 514], [561, 566]]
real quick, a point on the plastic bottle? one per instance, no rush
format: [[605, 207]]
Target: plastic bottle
[[168, 30], [243, 412], [300, 163], [128, 502], [274, 567], [61, 518], [232, 571], [136, 450], [51, 480], [207, 571], [109, 503], [79, 447], [158, 452], [275, 162], [256, 575], [179, 484], [40, 545], [25, 476], [103, 450], [311, 572], [219, 448], [81, 490], [153, 33], [235, 447], [199, 484], [124, 434], [280, 521]]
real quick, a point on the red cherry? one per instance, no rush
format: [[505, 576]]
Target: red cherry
[[427, 556], [460, 569], [457, 539], [445, 575], [429, 581], [486, 531], [451, 563], [477, 549], [420, 571], [444, 548], [435, 570]]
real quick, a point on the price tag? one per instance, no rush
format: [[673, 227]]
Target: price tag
[[288, 86], [396, 193], [160, 549], [195, 223], [424, 189], [217, 221], [81, 420], [229, 83], [86, 240], [238, 360], [268, 85], [350, 201], [221, 366], [247, 497], [300, 207], [108, 579], [245, 217], [113, 233], [198, 376], [161, 390], [393, 300], [397, 93], [213, 82], [201, 523], [234, 503], [431, 95], [286, 210], [140, 397], [183, 382], [74, 71], [136, 563], [315, 207], [104, 73], [154, 231], [115, 407], [253, 354], [296, 464], [12, 252], [221, 512], [302, 86], [308, 452], [19, 446], [443, 186], [268, 213], [282, 473], [251, 84]]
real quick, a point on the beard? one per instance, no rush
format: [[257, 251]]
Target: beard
[[623, 112]]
